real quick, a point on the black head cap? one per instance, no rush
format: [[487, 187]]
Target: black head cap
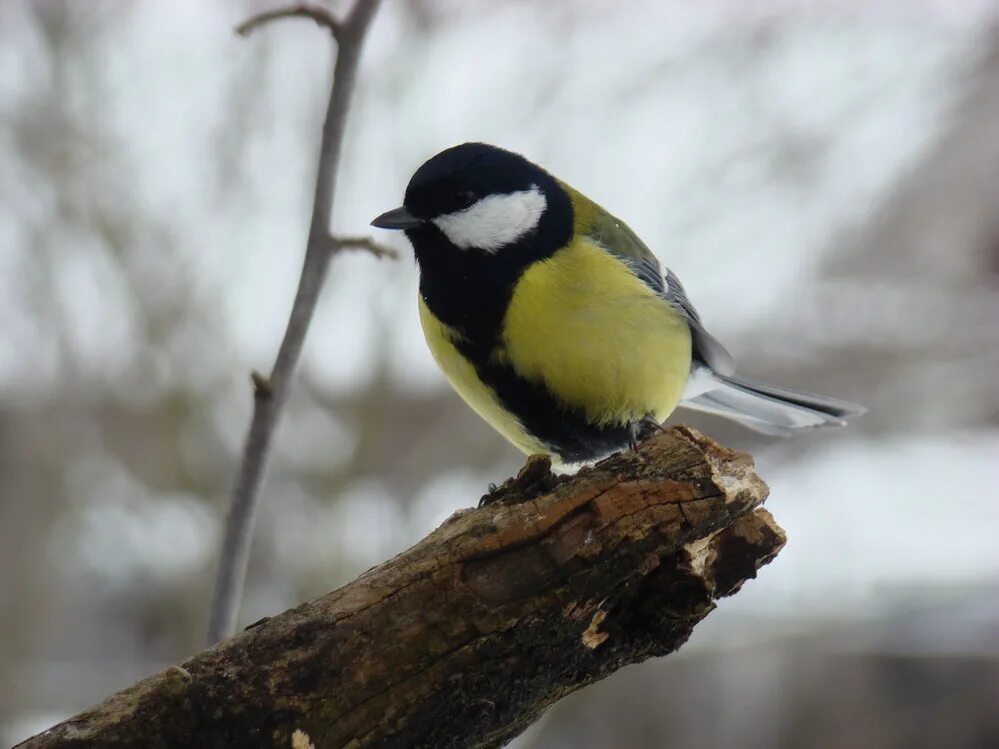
[[459, 176], [477, 216]]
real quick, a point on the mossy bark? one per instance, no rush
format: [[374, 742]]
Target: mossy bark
[[466, 638]]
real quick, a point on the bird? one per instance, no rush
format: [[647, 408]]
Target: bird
[[557, 324]]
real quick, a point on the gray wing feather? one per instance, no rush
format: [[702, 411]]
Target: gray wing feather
[[767, 409], [707, 348], [618, 239]]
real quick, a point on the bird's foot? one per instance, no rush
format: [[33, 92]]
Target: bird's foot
[[641, 430], [649, 426]]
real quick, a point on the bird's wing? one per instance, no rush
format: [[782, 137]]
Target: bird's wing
[[618, 239]]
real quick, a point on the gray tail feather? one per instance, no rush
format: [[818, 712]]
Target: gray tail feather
[[769, 409]]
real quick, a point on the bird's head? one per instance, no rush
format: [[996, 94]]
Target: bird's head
[[481, 199]]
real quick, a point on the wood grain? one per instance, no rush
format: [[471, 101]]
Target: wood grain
[[467, 637]]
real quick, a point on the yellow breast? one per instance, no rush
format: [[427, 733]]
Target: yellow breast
[[464, 379], [596, 336]]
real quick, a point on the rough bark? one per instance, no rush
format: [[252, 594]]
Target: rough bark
[[466, 638]]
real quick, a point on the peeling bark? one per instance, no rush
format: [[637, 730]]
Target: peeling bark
[[466, 638]]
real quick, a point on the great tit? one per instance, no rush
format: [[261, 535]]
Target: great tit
[[555, 322]]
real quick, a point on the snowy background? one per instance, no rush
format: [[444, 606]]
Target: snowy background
[[824, 177]]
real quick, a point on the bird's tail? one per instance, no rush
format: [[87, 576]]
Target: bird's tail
[[765, 408]]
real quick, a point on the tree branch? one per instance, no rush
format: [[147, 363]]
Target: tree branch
[[369, 245], [270, 393], [469, 636], [320, 15]]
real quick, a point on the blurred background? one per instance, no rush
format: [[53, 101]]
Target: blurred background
[[824, 177]]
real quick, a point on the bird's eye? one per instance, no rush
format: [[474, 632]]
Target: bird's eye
[[465, 198]]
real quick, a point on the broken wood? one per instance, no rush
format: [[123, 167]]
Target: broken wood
[[467, 637]]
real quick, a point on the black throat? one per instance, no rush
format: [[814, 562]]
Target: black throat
[[469, 290]]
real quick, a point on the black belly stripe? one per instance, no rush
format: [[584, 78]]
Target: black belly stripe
[[468, 291], [564, 430]]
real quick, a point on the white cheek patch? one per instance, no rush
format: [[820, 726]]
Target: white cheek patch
[[495, 221]]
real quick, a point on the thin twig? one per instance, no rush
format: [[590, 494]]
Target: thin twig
[[369, 245], [303, 10], [270, 393]]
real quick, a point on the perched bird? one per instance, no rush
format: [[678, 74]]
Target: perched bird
[[556, 323]]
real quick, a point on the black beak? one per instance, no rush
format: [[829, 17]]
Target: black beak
[[397, 218]]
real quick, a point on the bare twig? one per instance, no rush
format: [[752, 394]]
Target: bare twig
[[303, 10], [270, 393], [369, 245]]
